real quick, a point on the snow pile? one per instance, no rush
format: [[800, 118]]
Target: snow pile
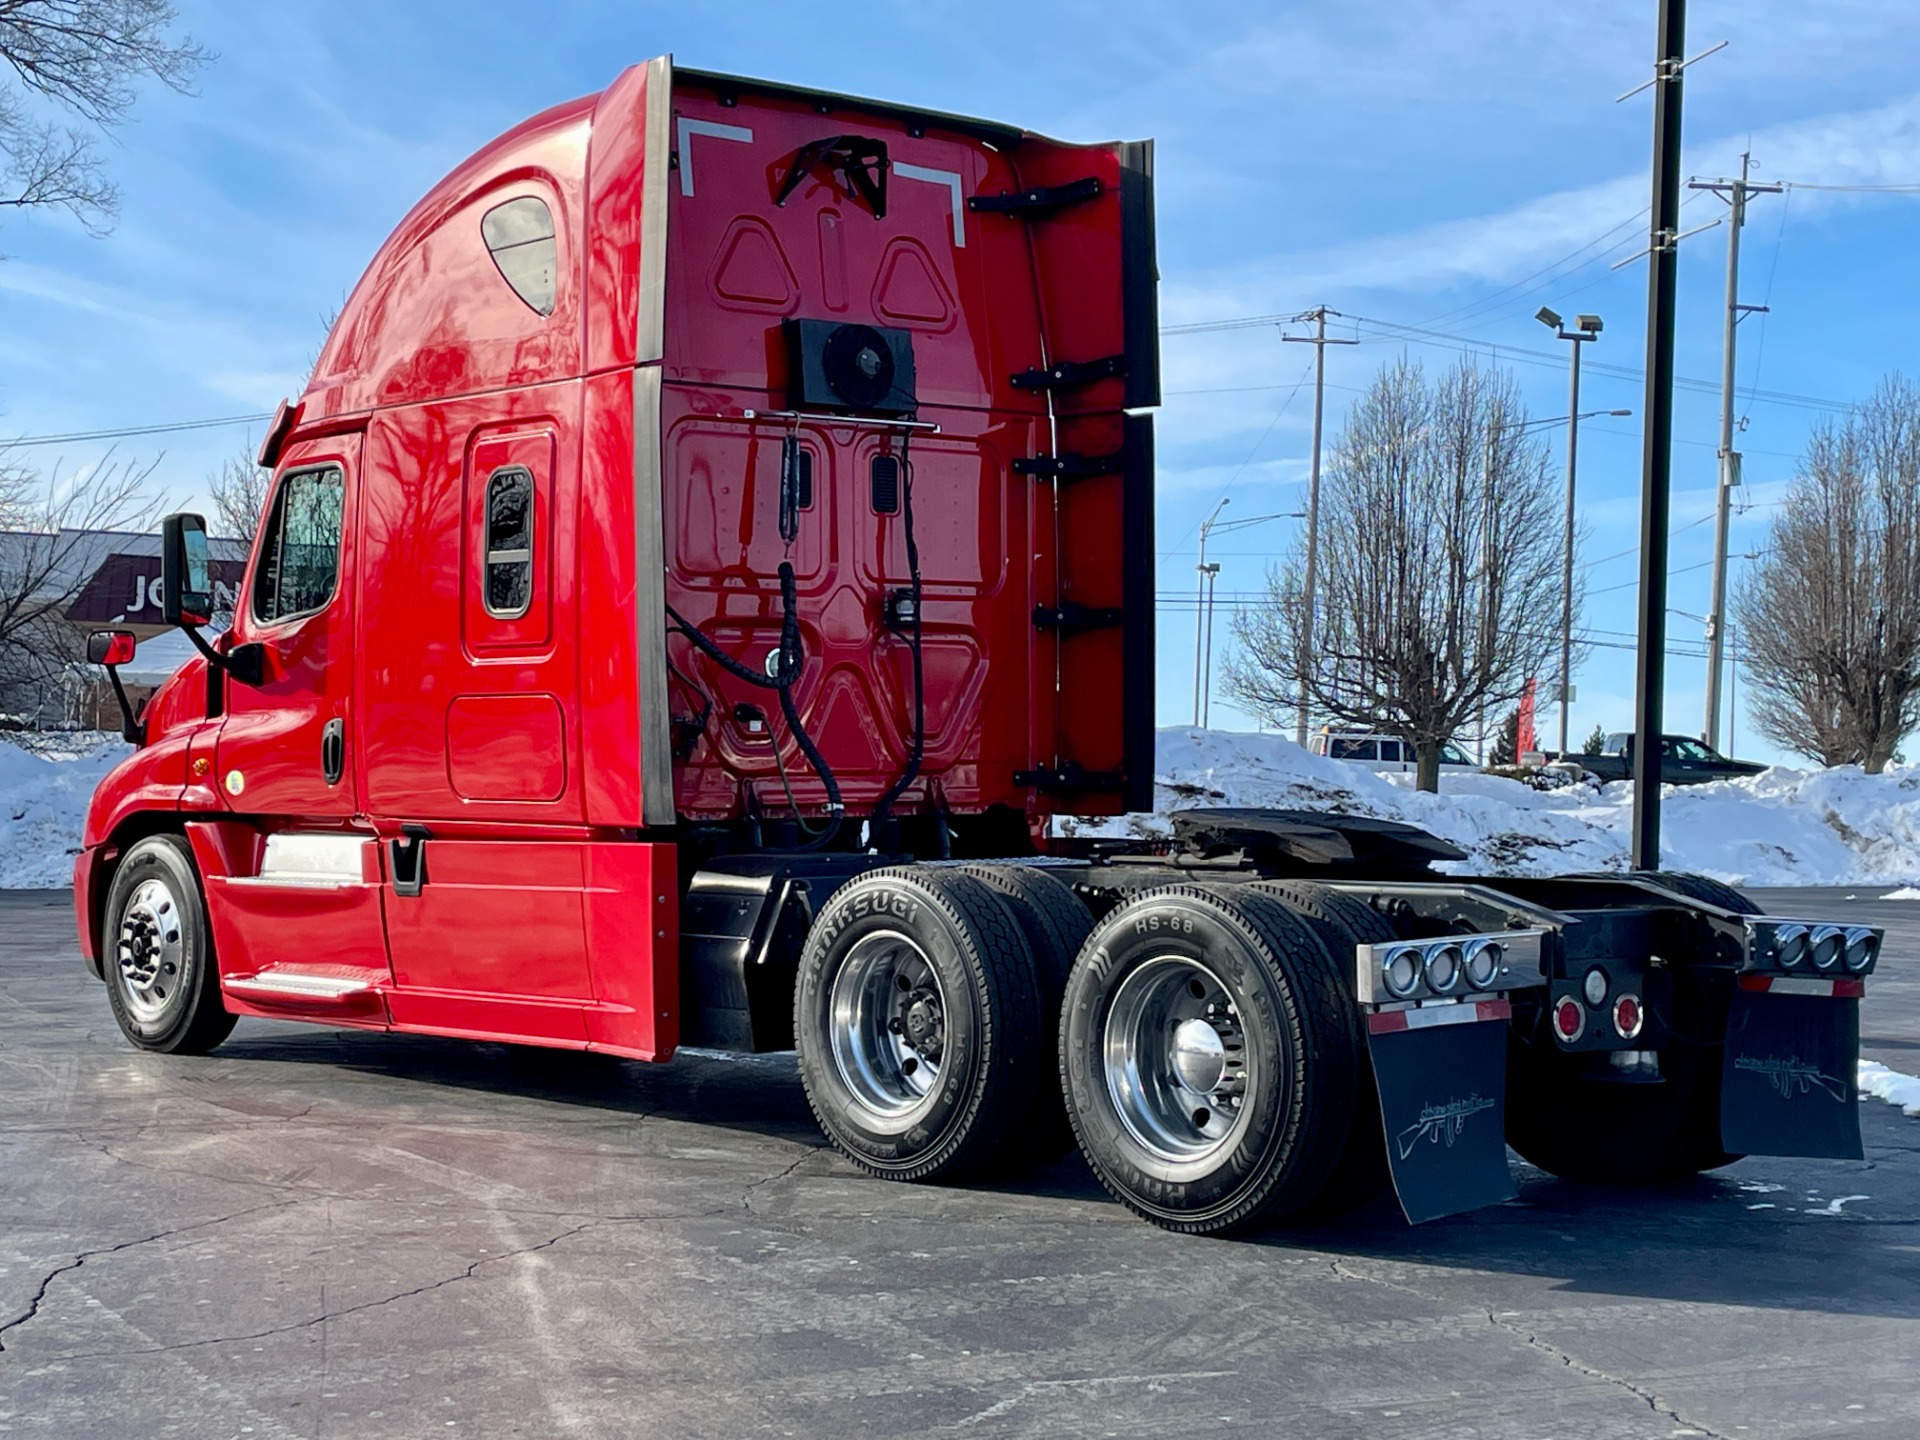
[[43, 804], [1890, 1086], [1781, 827]]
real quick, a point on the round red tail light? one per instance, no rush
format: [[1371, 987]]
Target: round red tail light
[[1627, 1016], [1569, 1019]]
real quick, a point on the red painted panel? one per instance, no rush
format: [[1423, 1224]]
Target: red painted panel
[[425, 640], [506, 747], [432, 317], [633, 925], [495, 917], [487, 1017], [609, 710]]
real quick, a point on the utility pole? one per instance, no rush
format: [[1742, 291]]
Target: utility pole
[[1735, 193], [1319, 341], [1200, 606], [1656, 455], [1212, 577]]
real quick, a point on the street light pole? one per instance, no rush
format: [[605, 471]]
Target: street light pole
[[1200, 605], [1203, 631], [1586, 328]]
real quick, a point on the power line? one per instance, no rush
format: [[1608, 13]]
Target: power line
[[125, 431]]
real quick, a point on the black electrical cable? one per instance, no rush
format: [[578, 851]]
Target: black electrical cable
[[782, 681], [884, 807]]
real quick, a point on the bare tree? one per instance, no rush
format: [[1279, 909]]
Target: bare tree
[[82, 59], [1439, 559], [239, 490], [1830, 617], [46, 550]]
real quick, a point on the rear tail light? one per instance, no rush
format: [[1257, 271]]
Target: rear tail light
[[1400, 970], [1791, 944], [1862, 946], [1828, 944], [1628, 1016], [1483, 962], [1444, 966], [1569, 1019]]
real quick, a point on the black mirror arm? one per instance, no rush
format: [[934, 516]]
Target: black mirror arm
[[132, 730], [245, 663]]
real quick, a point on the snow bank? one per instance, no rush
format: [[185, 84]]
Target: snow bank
[[43, 804], [1781, 827], [1890, 1086]]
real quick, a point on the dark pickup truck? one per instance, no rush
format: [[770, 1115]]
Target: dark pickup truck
[[1683, 761]]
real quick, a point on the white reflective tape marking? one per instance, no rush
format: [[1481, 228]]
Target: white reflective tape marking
[[690, 128], [948, 178], [1793, 985]]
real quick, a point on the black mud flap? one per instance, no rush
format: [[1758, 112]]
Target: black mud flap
[[1788, 1086], [1442, 1078]]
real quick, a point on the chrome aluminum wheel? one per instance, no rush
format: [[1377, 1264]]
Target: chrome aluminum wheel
[[1178, 1067], [151, 952], [887, 1017]]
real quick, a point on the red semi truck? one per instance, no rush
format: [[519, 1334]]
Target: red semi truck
[[716, 538]]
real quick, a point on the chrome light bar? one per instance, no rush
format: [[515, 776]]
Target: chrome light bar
[[1776, 945], [1445, 967]]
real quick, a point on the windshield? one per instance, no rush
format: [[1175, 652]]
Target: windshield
[[1452, 754]]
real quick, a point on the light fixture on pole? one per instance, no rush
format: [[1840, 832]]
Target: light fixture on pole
[[1586, 328], [1200, 604], [1203, 631]]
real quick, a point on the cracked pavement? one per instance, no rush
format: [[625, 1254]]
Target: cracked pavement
[[326, 1233]]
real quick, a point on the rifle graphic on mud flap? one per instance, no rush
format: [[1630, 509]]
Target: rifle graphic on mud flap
[[1792, 1076], [1442, 1123]]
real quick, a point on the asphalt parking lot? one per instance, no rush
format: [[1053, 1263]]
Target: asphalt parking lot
[[324, 1233]]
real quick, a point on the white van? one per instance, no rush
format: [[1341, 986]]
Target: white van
[[1382, 752]]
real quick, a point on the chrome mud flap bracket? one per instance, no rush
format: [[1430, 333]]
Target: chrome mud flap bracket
[[1788, 1085], [1441, 1073]]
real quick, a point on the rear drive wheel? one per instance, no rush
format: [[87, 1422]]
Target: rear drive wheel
[[1343, 922], [161, 982], [1210, 1058], [1055, 922], [1709, 892], [917, 1022]]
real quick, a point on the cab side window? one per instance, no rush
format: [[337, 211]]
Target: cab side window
[[509, 553], [300, 550]]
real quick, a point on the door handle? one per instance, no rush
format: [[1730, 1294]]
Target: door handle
[[333, 750]]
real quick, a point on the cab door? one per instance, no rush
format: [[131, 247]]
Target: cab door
[[283, 747], [294, 894]]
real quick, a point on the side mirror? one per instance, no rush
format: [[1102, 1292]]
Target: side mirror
[[110, 647], [114, 648], [186, 574]]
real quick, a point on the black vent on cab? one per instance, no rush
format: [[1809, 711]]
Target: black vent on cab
[[860, 369], [885, 481]]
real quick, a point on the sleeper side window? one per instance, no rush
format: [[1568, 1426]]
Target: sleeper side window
[[299, 564], [519, 236], [509, 552]]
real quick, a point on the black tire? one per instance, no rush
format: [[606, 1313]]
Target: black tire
[[1563, 1117], [1056, 923], [1708, 892], [162, 983], [1247, 955], [969, 997], [1343, 922]]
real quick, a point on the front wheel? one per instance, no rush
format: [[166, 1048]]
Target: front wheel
[[161, 982]]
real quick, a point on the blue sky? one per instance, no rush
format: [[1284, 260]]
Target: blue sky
[[1449, 166]]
